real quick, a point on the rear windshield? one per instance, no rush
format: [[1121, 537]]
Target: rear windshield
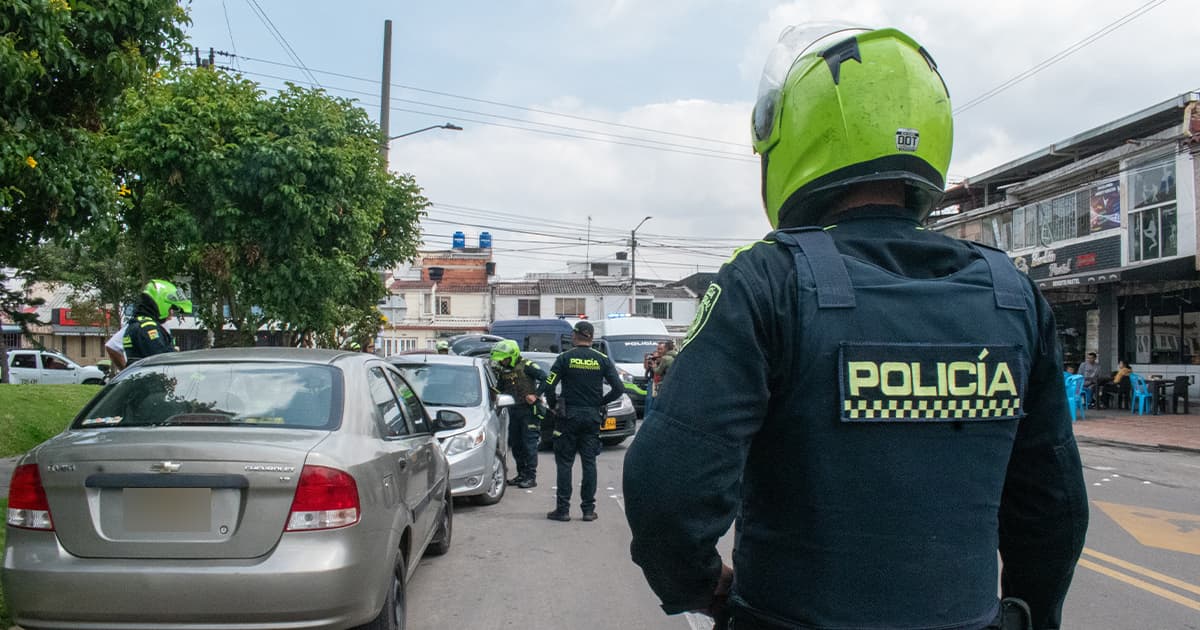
[[246, 394], [440, 385]]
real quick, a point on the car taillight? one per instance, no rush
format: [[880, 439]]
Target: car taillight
[[27, 504], [326, 498]]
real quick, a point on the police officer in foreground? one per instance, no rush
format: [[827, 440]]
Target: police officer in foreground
[[582, 372], [144, 334], [880, 406], [521, 379]]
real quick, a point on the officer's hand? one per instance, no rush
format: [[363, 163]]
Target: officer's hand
[[530, 398], [719, 607]]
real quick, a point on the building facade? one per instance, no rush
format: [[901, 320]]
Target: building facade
[[445, 293], [1106, 223]]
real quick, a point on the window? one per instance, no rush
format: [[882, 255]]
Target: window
[[416, 413], [387, 408], [599, 269], [443, 305], [529, 308], [1153, 222], [50, 362], [643, 308], [971, 231], [998, 230], [570, 307], [24, 361], [662, 310]]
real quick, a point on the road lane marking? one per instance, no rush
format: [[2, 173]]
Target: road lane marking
[[1142, 584], [1173, 531], [1154, 575]]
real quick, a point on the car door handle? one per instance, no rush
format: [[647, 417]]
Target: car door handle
[[402, 463]]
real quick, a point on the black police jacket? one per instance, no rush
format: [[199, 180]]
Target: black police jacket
[[881, 413], [519, 381], [145, 337], [582, 370]]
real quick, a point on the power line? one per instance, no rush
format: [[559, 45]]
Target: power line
[[652, 145], [511, 106], [229, 29], [280, 39], [1063, 54]]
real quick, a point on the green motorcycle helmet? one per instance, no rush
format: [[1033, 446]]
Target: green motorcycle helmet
[[506, 349], [443, 347], [166, 295], [839, 105]]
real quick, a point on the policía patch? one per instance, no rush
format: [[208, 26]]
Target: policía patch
[[931, 383]]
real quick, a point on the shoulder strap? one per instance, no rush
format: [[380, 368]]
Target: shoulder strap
[[813, 249], [1006, 280]]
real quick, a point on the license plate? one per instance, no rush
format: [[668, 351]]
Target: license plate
[[176, 510], [609, 424]]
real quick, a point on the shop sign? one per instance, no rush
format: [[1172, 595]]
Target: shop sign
[[1060, 269], [1037, 259], [1081, 280]]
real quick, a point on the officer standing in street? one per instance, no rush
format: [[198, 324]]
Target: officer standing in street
[[521, 379], [582, 372], [145, 335], [881, 407]]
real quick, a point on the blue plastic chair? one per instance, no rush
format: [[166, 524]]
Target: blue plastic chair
[[1076, 398], [1141, 399]]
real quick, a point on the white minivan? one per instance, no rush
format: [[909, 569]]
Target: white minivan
[[627, 341], [43, 366]]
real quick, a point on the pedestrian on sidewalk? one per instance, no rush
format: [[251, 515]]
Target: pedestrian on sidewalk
[[1090, 369], [876, 448]]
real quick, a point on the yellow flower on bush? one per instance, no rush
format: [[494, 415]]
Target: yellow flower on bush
[[123, 191], [29, 161], [60, 5]]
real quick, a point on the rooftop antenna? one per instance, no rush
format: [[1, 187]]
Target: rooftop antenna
[[588, 249]]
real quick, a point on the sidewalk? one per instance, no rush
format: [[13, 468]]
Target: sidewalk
[[1168, 431]]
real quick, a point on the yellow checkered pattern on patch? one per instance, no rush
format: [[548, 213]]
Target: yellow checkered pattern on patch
[[931, 409]]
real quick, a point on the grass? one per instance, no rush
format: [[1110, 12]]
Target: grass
[[32, 414]]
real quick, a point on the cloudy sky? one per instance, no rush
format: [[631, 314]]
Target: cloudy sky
[[622, 109]]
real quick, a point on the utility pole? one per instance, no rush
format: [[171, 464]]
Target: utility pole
[[633, 268], [385, 99]]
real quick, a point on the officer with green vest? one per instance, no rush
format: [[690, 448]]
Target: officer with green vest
[[879, 406], [520, 378], [144, 334]]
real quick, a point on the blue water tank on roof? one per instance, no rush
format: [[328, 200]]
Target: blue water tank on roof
[[485, 240], [459, 241]]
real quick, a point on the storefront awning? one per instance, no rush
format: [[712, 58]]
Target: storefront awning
[[1174, 269]]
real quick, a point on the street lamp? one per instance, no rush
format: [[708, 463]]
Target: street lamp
[[450, 126], [633, 268]]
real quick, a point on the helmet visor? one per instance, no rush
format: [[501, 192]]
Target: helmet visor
[[794, 42]]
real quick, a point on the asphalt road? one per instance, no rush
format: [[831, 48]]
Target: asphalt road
[[509, 567]]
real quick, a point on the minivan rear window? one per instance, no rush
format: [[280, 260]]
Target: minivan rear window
[[243, 394]]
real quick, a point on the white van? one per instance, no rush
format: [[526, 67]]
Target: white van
[[627, 341]]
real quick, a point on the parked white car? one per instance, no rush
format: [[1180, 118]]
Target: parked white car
[[43, 366]]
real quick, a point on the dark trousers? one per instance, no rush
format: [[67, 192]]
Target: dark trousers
[[577, 432], [524, 430]]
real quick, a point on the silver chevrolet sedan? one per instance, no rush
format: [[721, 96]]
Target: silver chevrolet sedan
[[478, 451], [264, 488]]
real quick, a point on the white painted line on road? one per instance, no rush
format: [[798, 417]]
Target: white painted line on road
[[1097, 484], [1103, 468], [1146, 483], [697, 621], [1116, 476]]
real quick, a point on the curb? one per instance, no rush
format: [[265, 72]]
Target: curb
[[1148, 447]]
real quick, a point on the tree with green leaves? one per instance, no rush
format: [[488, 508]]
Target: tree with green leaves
[[63, 66], [276, 210]]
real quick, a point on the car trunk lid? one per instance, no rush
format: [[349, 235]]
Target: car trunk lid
[[173, 492]]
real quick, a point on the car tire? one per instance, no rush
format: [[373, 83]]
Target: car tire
[[613, 441], [93, 381], [445, 532], [392, 615], [496, 483]]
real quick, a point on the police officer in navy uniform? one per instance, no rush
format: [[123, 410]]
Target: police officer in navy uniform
[[144, 334], [879, 406], [521, 379], [581, 371]]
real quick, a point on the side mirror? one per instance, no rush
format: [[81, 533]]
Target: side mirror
[[447, 420], [505, 400]]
